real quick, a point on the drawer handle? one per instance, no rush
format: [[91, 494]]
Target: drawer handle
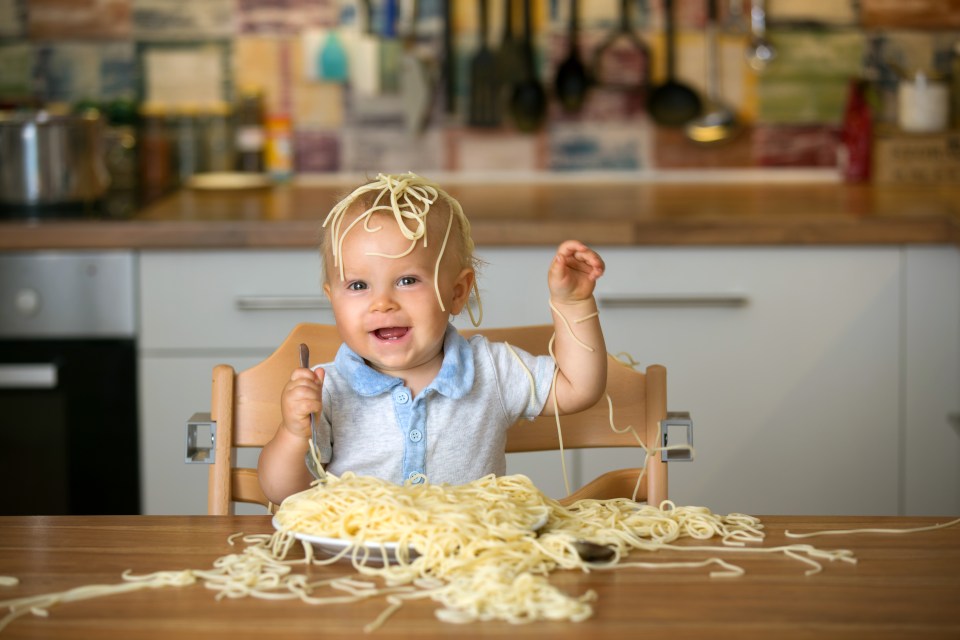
[[281, 303], [28, 376], [670, 300]]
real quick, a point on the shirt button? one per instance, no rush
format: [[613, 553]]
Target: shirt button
[[402, 397], [415, 477], [416, 435]]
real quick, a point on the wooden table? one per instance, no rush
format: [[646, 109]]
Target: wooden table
[[904, 586]]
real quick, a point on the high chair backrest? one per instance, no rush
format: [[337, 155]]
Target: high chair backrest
[[245, 407]]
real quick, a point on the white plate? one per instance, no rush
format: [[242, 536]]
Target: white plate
[[228, 181], [335, 546]]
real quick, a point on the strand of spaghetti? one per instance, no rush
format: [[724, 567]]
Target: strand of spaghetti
[[802, 552], [533, 383], [315, 457], [384, 615], [475, 320], [39, 604], [730, 570], [626, 359], [556, 403], [436, 267], [837, 532], [556, 415], [566, 323]]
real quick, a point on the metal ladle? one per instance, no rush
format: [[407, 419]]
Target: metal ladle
[[760, 52], [719, 122], [672, 104], [572, 80]]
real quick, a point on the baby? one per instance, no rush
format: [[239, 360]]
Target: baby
[[407, 396]]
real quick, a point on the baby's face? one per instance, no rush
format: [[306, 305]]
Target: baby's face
[[386, 305]]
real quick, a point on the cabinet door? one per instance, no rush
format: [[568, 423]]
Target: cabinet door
[[932, 375], [227, 300], [171, 390], [787, 359]]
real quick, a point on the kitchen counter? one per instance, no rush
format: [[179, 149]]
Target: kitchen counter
[[541, 213]]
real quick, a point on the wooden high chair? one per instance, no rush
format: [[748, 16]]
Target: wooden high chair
[[245, 412]]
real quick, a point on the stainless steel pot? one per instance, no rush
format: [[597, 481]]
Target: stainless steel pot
[[49, 161]]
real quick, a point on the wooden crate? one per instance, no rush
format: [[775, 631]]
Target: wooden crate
[[917, 159]]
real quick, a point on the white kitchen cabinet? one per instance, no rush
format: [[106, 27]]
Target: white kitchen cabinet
[[197, 310], [794, 393], [931, 430]]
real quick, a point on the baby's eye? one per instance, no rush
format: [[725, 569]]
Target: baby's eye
[[406, 281], [356, 285]]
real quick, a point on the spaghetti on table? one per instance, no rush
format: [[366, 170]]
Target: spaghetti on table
[[482, 550]]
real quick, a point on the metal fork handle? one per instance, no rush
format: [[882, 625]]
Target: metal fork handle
[[304, 356], [305, 363]]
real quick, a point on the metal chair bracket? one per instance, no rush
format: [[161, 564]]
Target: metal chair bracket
[[201, 439], [669, 427]]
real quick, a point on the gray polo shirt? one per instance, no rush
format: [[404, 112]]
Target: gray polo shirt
[[454, 431]]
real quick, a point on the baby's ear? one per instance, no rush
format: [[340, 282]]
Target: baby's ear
[[461, 290]]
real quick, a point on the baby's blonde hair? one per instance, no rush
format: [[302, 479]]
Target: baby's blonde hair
[[409, 198]]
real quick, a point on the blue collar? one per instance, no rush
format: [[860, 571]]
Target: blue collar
[[454, 379]]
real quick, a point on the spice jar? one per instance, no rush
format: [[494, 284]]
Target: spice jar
[[155, 152], [251, 132]]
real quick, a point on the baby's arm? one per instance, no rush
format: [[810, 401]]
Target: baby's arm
[[582, 372], [281, 468]]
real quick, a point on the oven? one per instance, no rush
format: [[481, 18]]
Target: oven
[[68, 388]]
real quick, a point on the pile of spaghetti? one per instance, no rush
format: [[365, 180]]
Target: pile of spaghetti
[[483, 551]]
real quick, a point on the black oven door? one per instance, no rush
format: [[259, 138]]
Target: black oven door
[[68, 427]]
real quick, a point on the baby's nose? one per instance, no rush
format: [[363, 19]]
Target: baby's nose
[[383, 302]]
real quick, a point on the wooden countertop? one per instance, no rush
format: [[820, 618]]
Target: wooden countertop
[[903, 585], [609, 213]]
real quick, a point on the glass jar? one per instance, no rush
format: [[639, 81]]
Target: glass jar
[[216, 139], [155, 156], [250, 132], [187, 138]]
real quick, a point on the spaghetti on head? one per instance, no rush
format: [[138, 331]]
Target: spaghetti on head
[[423, 212]]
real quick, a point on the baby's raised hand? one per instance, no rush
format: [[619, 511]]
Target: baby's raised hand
[[301, 397], [574, 272]]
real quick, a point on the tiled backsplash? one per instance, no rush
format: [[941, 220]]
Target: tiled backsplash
[[200, 51]]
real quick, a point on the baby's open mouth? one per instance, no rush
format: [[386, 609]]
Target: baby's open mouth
[[391, 333]]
